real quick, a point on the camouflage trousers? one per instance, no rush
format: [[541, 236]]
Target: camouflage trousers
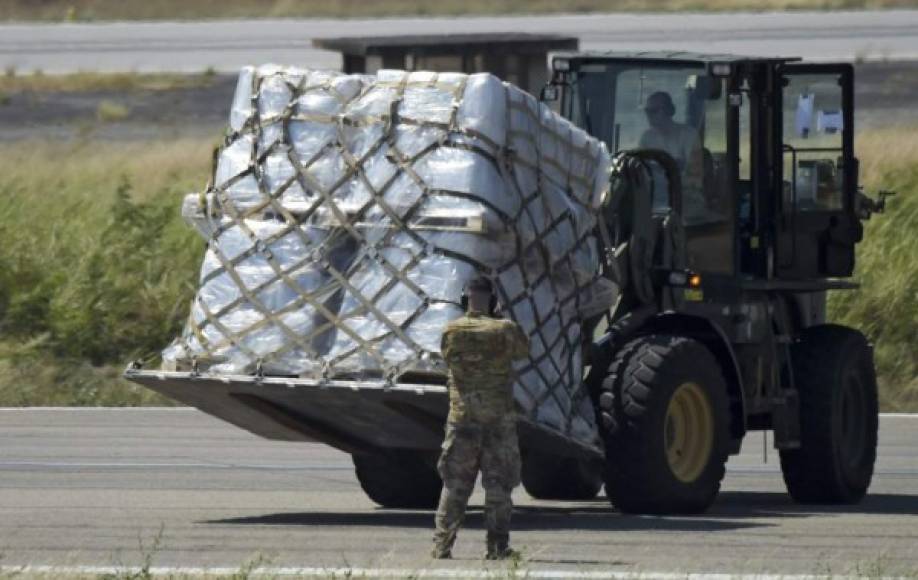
[[469, 447]]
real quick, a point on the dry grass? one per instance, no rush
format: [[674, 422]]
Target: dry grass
[[886, 150], [109, 111], [79, 82], [69, 10], [89, 167]]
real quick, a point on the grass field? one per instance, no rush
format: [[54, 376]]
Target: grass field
[[886, 306], [97, 268], [89, 10]]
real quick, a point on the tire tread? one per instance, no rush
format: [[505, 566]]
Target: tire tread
[[810, 473], [635, 378]]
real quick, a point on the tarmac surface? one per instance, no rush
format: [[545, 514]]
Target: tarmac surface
[[86, 487], [885, 94], [228, 45], [880, 42]]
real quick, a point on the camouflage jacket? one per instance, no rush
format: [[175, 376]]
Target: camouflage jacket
[[479, 351]]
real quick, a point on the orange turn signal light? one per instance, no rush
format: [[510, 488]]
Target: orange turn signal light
[[694, 280]]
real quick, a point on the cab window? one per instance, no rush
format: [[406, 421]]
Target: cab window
[[678, 109], [813, 126]]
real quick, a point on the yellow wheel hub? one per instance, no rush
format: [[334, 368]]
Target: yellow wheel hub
[[689, 432]]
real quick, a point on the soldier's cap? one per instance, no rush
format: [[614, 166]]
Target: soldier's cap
[[479, 284]]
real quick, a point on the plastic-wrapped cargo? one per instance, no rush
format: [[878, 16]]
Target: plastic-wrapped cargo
[[346, 213]]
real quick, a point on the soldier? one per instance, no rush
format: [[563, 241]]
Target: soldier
[[481, 428], [683, 145], [679, 140]]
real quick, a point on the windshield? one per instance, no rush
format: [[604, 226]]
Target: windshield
[[610, 101], [674, 108]]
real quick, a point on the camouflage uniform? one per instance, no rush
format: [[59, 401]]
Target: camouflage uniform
[[481, 428]]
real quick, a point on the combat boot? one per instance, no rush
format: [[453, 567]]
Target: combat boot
[[443, 546], [499, 547]]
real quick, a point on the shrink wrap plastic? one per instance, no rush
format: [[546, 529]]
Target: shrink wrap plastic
[[346, 213]]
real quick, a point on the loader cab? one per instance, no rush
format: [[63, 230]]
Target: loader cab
[[764, 148]]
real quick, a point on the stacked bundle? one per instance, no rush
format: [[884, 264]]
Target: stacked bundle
[[347, 212]]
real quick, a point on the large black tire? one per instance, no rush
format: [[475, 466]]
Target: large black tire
[[664, 410], [834, 374], [399, 478], [552, 477]]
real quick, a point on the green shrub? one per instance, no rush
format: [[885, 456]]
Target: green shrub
[[96, 266], [885, 308], [123, 298]]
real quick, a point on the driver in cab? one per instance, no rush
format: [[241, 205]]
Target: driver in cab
[[681, 142]]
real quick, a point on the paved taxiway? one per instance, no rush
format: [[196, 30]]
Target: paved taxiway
[[82, 487], [227, 45]]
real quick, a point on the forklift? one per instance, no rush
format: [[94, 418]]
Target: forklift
[[726, 224], [733, 208]]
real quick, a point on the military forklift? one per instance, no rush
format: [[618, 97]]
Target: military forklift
[[724, 258], [723, 242]]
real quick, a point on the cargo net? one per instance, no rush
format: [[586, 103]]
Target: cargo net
[[347, 212]]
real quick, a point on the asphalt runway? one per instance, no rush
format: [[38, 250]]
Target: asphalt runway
[[85, 487], [228, 45]]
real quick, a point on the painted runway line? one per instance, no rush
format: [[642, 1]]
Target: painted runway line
[[188, 409], [520, 570]]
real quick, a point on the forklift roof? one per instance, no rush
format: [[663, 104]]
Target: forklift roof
[[515, 42], [673, 56]]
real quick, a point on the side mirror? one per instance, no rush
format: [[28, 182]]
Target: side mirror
[[549, 93]]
